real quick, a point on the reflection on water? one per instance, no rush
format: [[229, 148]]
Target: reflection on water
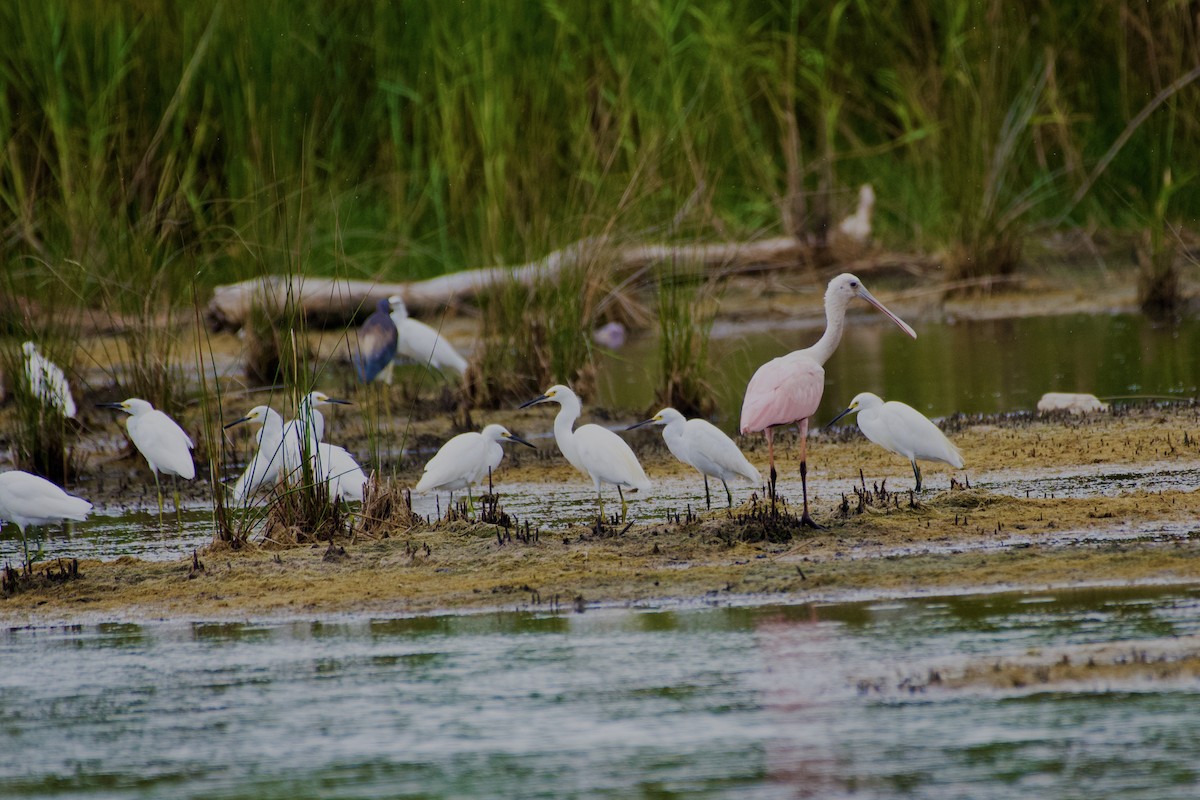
[[722, 702], [970, 367]]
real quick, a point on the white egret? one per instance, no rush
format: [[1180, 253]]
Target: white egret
[[301, 435], [465, 461], [47, 383], [340, 472], [29, 501], [166, 446], [705, 447], [903, 430], [264, 466], [421, 344], [788, 389], [597, 452]]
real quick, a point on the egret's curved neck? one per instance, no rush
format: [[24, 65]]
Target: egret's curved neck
[[835, 323], [272, 426], [564, 433], [673, 430]]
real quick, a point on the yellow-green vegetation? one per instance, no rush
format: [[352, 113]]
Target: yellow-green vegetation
[[950, 539]]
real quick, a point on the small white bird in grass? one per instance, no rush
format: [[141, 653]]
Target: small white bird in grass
[[264, 466], [302, 434], [47, 382], [465, 461], [331, 464], [29, 501], [419, 343], [338, 469], [597, 452], [857, 226], [702, 445], [166, 446], [903, 430]]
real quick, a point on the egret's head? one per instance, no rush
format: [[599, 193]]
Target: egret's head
[[557, 394], [500, 433], [866, 196], [133, 406], [315, 399], [664, 417], [257, 414], [397, 304], [846, 287], [865, 400], [29, 348]]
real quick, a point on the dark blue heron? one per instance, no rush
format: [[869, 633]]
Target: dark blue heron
[[376, 345]]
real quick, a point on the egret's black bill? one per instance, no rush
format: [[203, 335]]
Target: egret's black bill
[[537, 399], [512, 437], [339, 402], [640, 424], [839, 416], [117, 406], [236, 422]]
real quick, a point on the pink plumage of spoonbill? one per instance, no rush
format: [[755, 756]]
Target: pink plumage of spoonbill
[[788, 389]]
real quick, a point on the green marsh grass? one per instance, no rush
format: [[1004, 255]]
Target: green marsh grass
[[686, 308]]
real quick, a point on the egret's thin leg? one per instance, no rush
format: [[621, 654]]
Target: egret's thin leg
[[707, 499], [470, 502], [624, 505], [917, 473], [600, 498], [728, 494], [178, 513], [158, 488]]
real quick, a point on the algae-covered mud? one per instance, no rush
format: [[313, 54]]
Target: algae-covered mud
[[1107, 499]]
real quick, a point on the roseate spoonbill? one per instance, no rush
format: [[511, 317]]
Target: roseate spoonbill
[[903, 430], [788, 389], [47, 383], [705, 447], [419, 343], [166, 446], [30, 501], [595, 451], [466, 460], [376, 345]]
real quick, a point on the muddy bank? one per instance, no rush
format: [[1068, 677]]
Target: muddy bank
[[878, 539]]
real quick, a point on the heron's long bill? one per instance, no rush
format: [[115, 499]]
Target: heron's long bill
[[870, 298], [848, 410], [235, 422], [650, 421], [534, 401]]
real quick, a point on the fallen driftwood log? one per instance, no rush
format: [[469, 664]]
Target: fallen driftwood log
[[338, 301]]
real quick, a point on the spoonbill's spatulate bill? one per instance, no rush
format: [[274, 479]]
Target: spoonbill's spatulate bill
[[597, 452], [788, 389], [903, 430], [705, 447]]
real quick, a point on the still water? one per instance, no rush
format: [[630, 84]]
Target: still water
[[745, 702], [970, 367]]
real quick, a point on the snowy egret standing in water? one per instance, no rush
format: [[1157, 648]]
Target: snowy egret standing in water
[[788, 389], [29, 501], [466, 460], [376, 345], [702, 445], [47, 382], [903, 430], [166, 446], [421, 344], [595, 451]]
